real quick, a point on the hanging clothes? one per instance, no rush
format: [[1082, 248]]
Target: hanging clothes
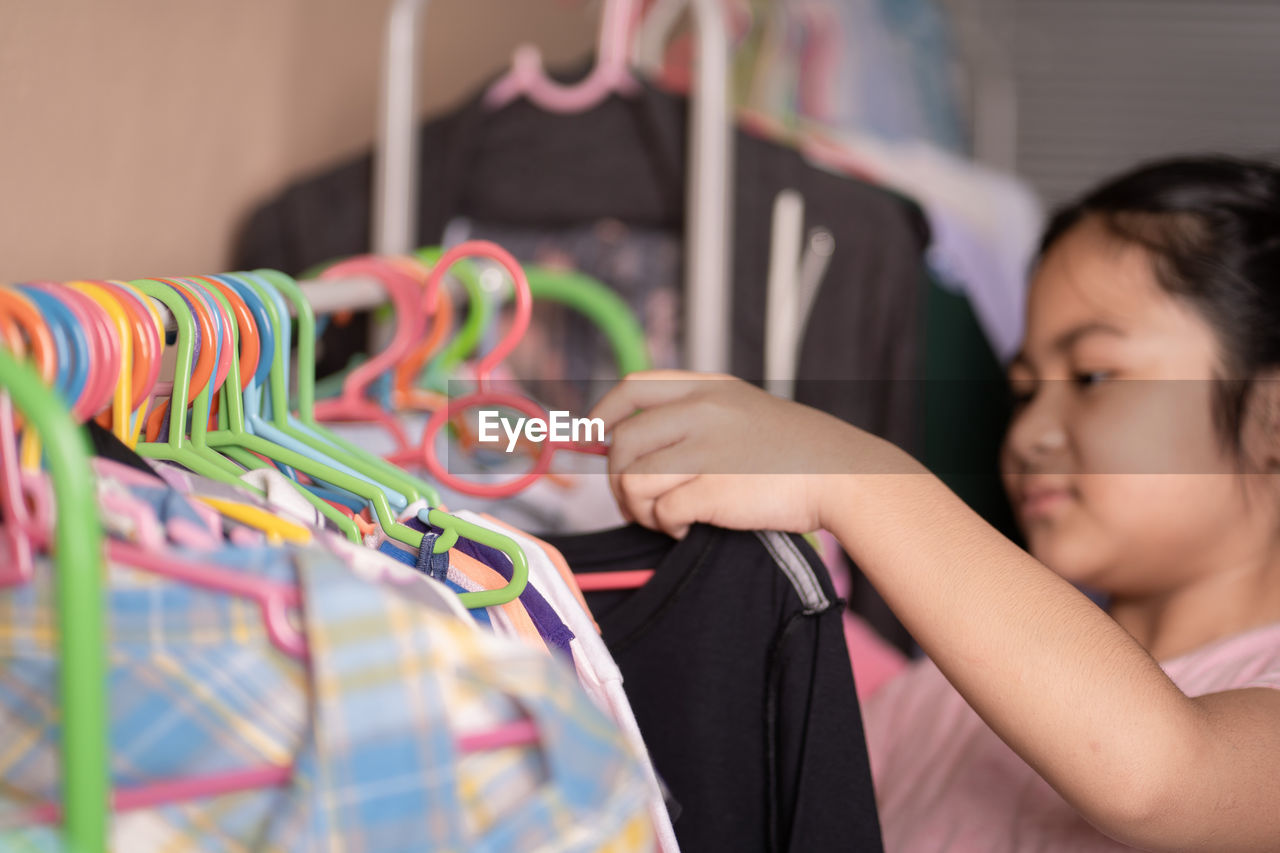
[[197, 687], [734, 662]]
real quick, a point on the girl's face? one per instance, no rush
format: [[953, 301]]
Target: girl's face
[[1112, 462]]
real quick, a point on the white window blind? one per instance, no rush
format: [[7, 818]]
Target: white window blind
[[1101, 84]]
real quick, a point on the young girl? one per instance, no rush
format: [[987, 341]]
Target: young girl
[[1139, 463]]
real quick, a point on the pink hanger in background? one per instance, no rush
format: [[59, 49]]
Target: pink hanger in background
[[485, 394], [412, 305], [611, 73]]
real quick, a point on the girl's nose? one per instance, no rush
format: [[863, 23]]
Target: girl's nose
[[1037, 434]]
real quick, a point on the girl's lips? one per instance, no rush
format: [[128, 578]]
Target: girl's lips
[[1042, 503]]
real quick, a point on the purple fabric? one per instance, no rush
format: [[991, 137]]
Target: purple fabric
[[556, 634]]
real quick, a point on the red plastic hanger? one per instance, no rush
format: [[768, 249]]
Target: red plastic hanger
[[485, 395]]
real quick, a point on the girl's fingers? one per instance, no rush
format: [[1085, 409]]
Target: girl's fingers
[[637, 487], [679, 508], [648, 431], [647, 389]]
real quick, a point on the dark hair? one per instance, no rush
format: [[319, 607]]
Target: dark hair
[[1212, 226]]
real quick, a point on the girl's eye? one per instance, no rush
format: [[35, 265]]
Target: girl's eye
[[1021, 395], [1090, 378]]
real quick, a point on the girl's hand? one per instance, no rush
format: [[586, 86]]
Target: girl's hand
[[691, 447]]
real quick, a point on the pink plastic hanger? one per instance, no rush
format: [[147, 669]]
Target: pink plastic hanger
[[484, 395], [518, 733], [105, 345], [412, 304], [97, 327], [610, 75], [16, 564], [146, 341], [610, 581], [275, 600]]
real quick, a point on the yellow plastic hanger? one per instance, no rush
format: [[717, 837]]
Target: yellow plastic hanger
[[278, 530]]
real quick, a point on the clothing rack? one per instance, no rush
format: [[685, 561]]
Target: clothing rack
[[327, 296], [707, 205]]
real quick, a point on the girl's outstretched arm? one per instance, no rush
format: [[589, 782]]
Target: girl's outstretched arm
[[1055, 677]]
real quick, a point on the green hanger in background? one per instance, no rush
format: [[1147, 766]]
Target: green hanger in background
[[319, 436]]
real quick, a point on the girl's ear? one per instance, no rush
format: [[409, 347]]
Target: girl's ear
[[1261, 438]]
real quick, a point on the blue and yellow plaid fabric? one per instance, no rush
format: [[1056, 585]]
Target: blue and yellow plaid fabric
[[370, 725]]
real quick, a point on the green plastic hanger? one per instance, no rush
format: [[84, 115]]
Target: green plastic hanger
[[595, 301], [283, 428], [453, 527], [578, 291], [78, 597], [232, 438], [316, 434], [179, 448]]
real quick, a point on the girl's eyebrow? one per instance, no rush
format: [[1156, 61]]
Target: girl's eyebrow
[[1065, 341], [1071, 337]]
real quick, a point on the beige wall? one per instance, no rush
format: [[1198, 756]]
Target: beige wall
[[135, 134]]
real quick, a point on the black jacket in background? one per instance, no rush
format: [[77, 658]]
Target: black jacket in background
[[625, 160]]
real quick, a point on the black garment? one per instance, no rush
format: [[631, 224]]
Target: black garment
[[106, 445], [734, 660], [625, 160]]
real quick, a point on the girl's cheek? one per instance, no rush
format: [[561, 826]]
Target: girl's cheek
[[1148, 427]]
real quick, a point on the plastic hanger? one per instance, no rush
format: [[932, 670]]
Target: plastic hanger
[[177, 447], [202, 353], [250, 351], [148, 345], [225, 354], [111, 350], [11, 335], [145, 350], [404, 393], [480, 313], [15, 548], [78, 566], [70, 328], [578, 291], [233, 420], [104, 349], [453, 527], [122, 395], [603, 307], [411, 304], [57, 324], [87, 352], [81, 628], [484, 395], [219, 316], [79, 330], [277, 428], [237, 436], [82, 677], [233, 439], [611, 73], [305, 425], [219, 328]]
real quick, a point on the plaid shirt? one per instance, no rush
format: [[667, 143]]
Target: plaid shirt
[[371, 725]]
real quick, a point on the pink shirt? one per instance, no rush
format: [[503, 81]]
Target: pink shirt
[[944, 781]]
